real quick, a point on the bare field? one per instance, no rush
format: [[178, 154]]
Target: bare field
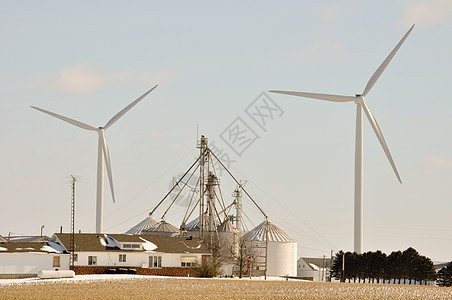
[[181, 288]]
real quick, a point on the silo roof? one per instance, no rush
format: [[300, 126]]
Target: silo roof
[[193, 225], [143, 225], [275, 234], [226, 226], [162, 226]]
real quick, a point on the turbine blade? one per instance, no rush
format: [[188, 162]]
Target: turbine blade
[[327, 97], [71, 121], [126, 109], [380, 137], [385, 63], [108, 165]]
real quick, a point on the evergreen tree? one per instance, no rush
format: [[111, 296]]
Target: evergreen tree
[[444, 276], [354, 266], [393, 266], [424, 270], [378, 263], [409, 257], [336, 268]]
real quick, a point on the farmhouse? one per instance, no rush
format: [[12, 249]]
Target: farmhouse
[[26, 259], [141, 254], [315, 269]]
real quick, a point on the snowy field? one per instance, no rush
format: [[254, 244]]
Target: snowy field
[[154, 287]]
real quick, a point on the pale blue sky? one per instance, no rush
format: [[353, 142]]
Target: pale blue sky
[[87, 60]]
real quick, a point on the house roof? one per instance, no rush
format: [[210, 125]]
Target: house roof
[[109, 242], [28, 238], [84, 241], [41, 247], [2, 239], [318, 262]]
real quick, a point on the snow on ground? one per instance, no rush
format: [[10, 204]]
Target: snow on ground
[[125, 276]]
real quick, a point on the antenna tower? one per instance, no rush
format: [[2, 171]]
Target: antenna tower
[[74, 179]]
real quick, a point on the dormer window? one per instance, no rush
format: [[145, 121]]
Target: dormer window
[[130, 246]]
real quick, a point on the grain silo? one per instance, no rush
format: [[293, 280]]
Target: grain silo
[[273, 249], [227, 233], [228, 237], [143, 225]]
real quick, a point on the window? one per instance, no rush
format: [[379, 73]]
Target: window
[[131, 246], [75, 257], [122, 258], [188, 261], [92, 260], [155, 261], [56, 261]]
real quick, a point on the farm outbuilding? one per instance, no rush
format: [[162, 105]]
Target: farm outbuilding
[[315, 269], [26, 259]]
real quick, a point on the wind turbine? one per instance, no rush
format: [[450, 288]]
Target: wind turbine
[[359, 99], [102, 154]]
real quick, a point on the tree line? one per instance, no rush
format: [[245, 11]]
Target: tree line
[[406, 265]]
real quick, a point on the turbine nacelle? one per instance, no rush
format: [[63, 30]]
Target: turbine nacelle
[[359, 99]]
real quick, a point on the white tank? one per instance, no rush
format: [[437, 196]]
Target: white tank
[[49, 274], [281, 251]]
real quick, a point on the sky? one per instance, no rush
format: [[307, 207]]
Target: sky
[[212, 63]]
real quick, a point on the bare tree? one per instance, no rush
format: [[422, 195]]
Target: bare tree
[[241, 255]]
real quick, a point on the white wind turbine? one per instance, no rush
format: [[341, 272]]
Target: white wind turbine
[[102, 154], [360, 106]]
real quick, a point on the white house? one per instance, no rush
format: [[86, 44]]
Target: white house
[[26, 259], [141, 254], [315, 269]]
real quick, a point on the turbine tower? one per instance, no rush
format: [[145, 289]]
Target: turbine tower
[[359, 99], [102, 155]]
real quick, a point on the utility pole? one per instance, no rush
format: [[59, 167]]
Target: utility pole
[[343, 268], [74, 179], [331, 264]]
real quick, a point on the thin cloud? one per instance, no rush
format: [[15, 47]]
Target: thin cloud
[[320, 46], [432, 165], [84, 78], [427, 13], [330, 13], [161, 77]]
